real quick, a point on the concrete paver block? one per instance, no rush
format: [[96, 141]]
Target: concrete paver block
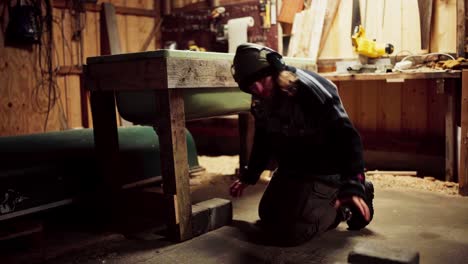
[[210, 215], [380, 253]]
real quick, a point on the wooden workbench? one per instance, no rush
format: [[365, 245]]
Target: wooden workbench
[[164, 77], [449, 91]]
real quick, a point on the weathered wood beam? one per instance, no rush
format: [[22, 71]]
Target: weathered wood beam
[[463, 169], [461, 28]]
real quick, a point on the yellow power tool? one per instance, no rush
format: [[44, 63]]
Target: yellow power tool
[[369, 48]]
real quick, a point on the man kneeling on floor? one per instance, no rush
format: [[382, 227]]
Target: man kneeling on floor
[[301, 123]]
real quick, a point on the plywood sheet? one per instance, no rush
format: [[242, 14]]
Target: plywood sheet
[[444, 30], [338, 43], [318, 9], [425, 18]]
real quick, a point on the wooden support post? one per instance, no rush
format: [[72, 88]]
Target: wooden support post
[[246, 134], [170, 127], [463, 169], [450, 130], [461, 28]]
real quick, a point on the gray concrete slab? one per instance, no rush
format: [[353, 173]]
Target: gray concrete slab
[[435, 225]]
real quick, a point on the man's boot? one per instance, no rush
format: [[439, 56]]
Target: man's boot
[[357, 221]]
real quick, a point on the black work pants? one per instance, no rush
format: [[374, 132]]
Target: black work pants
[[295, 209]]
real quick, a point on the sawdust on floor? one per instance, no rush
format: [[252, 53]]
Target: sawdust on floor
[[227, 165]]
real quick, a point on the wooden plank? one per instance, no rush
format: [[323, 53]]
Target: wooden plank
[[330, 14], [304, 31], [91, 35], [425, 18], [338, 43], [318, 9], [461, 20], [174, 164], [450, 131], [463, 169], [411, 29], [295, 35], [443, 32], [389, 108], [392, 25]]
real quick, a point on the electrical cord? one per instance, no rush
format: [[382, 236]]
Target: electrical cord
[[403, 65]]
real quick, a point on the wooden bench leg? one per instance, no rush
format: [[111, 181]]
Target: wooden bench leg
[[107, 150], [170, 127], [463, 175], [450, 130]]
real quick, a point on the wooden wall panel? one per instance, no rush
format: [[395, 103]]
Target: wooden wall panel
[[22, 95], [22, 103], [368, 114], [435, 111], [389, 108], [444, 29], [414, 108]]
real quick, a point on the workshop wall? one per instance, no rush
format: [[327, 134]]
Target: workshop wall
[[24, 91], [195, 23]]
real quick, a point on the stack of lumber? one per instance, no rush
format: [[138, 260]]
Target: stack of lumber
[[323, 29]]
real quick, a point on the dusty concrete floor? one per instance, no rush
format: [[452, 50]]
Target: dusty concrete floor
[[436, 225]]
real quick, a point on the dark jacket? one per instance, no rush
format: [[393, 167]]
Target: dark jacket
[[306, 138]]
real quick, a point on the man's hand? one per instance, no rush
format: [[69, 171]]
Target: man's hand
[[237, 188], [358, 202]]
